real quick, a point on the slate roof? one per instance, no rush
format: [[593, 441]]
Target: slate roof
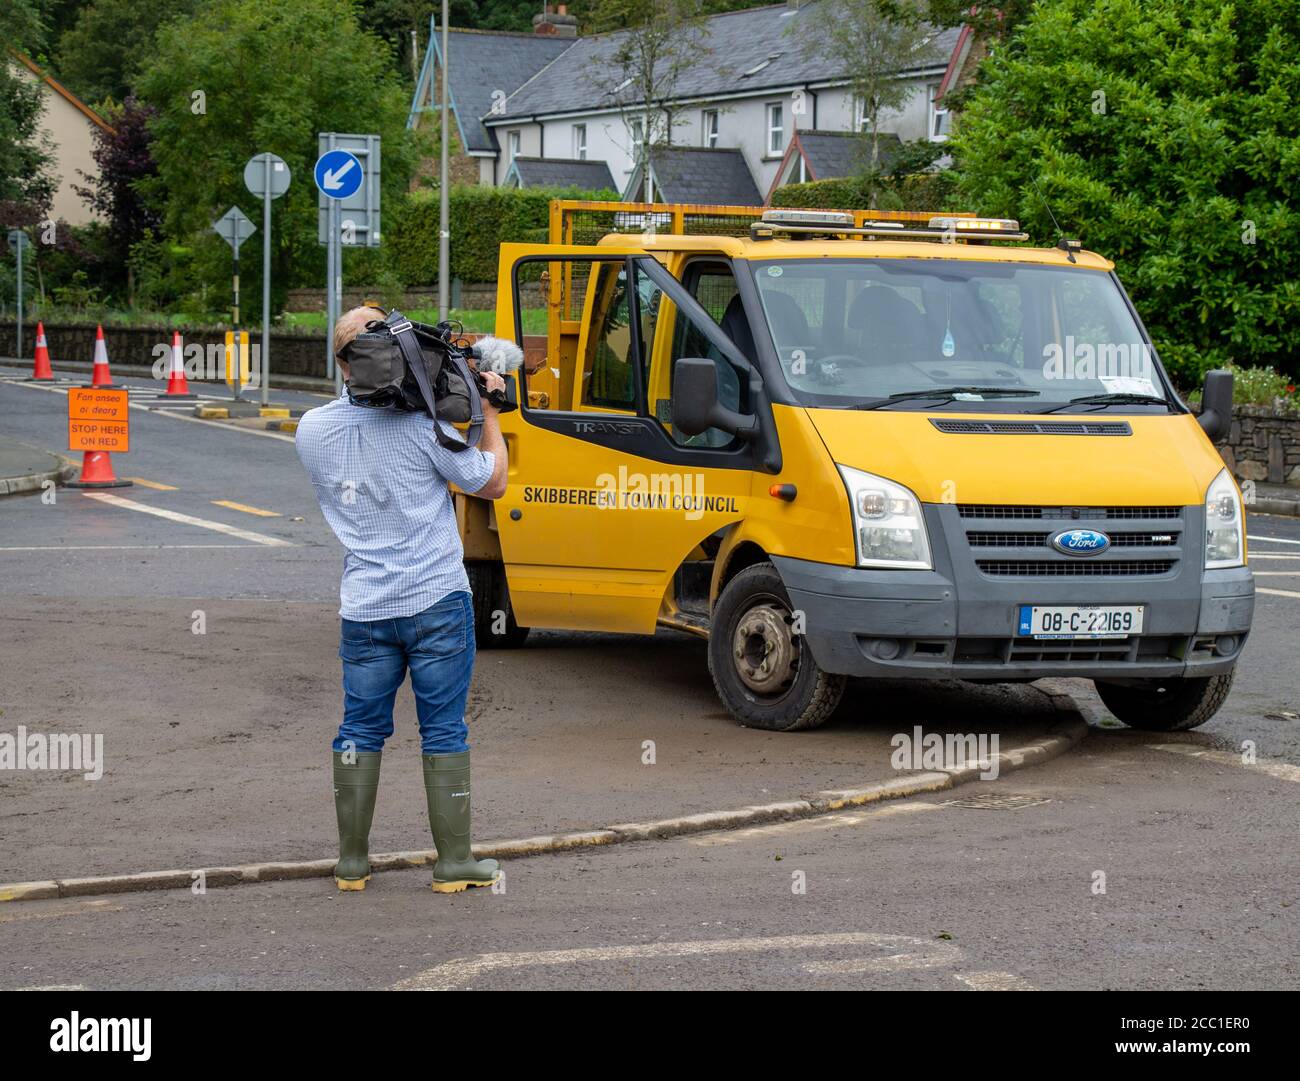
[[483, 61], [832, 154], [738, 41], [562, 173], [694, 174]]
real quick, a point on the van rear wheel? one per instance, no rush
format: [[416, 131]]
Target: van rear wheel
[[763, 671], [1166, 705], [494, 618]]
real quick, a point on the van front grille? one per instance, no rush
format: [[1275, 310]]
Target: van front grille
[[1072, 566], [1066, 514], [1043, 540]]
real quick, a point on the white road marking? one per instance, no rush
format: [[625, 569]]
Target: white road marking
[[1276, 574], [1277, 592], [841, 820], [118, 547], [1273, 540], [449, 974], [187, 519], [167, 413], [994, 981], [1282, 771], [1273, 555]]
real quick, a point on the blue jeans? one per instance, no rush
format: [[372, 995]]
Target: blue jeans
[[438, 647]]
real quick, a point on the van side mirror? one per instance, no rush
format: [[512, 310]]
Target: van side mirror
[[1216, 405], [695, 402]]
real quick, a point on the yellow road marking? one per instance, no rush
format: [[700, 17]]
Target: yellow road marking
[[993, 981], [1278, 592], [245, 508], [1283, 771], [152, 484], [821, 822]]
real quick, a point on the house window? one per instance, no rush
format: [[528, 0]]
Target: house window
[[939, 119], [709, 125], [775, 129], [638, 130], [512, 146], [580, 141]]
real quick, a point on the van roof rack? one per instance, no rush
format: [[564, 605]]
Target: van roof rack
[[801, 223]]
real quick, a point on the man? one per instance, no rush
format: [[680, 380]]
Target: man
[[381, 478]]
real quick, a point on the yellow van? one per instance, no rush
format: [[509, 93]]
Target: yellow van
[[861, 445]]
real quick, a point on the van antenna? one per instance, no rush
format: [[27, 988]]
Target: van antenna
[[1066, 244]]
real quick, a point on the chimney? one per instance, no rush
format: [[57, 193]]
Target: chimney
[[558, 23]]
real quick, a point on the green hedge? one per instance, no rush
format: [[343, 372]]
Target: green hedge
[[921, 191], [482, 218]]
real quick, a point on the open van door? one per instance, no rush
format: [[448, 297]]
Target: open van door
[[603, 503]]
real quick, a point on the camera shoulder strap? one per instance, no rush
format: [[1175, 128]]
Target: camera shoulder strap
[[404, 334]]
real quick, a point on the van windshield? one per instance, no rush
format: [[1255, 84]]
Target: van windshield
[[855, 332]]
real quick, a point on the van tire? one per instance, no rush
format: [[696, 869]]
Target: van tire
[[1166, 705], [487, 583], [808, 698]]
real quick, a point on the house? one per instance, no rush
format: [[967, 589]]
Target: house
[[760, 110], [69, 125]]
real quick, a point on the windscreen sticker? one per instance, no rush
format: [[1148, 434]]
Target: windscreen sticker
[[1128, 384]]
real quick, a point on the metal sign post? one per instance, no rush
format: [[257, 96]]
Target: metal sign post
[[234, 228], [18, 243], [347, 177], [267, 177]]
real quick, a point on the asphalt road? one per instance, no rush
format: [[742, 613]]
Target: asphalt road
[[97, 599], [1194, 856]]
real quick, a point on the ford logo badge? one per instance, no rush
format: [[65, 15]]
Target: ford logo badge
[[1080, 542]]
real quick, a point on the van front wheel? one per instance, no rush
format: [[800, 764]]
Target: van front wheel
[[494, 618], [763, 670], [1166, 705]]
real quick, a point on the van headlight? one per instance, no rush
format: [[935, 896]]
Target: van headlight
[[887, 522], [1225, 526]]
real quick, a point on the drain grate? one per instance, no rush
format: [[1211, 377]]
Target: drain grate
[[993, 801]]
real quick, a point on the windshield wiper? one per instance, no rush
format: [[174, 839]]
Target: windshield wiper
[[1120, 398], [949, 394]]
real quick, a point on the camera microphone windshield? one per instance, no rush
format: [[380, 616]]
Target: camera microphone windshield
[[497, 355]]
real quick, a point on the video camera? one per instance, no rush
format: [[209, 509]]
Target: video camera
[[414, 367]]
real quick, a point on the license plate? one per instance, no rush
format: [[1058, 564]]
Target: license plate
[[1080, 621]]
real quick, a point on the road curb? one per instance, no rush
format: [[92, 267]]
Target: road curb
[[1287, 507], [34, 482], [1070, 730]]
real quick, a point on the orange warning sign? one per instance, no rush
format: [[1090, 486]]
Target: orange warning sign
[[98, 420]]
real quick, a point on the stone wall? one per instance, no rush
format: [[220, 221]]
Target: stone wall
[[477, 296], [293, 353], [1263, 445]]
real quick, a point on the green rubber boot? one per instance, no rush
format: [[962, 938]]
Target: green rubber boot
[[355, 789], [446, 787]]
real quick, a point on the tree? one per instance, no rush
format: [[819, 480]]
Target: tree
[[651, 45], [871, 46], [240, 77], [125, 163], [100, 55], [1165, 135], [27, 182]]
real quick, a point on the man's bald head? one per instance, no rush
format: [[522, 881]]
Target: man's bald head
[[349, 325]]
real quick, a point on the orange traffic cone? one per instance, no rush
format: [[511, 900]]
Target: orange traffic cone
[[41, 370], [177, 387], [97, 472], [100, 376]]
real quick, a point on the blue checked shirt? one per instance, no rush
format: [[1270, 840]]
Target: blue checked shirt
[[381, 479]]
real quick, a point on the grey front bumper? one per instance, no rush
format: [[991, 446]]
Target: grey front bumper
[[944, 625]]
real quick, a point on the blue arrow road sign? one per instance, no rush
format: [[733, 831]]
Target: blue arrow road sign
[[338, 174]]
